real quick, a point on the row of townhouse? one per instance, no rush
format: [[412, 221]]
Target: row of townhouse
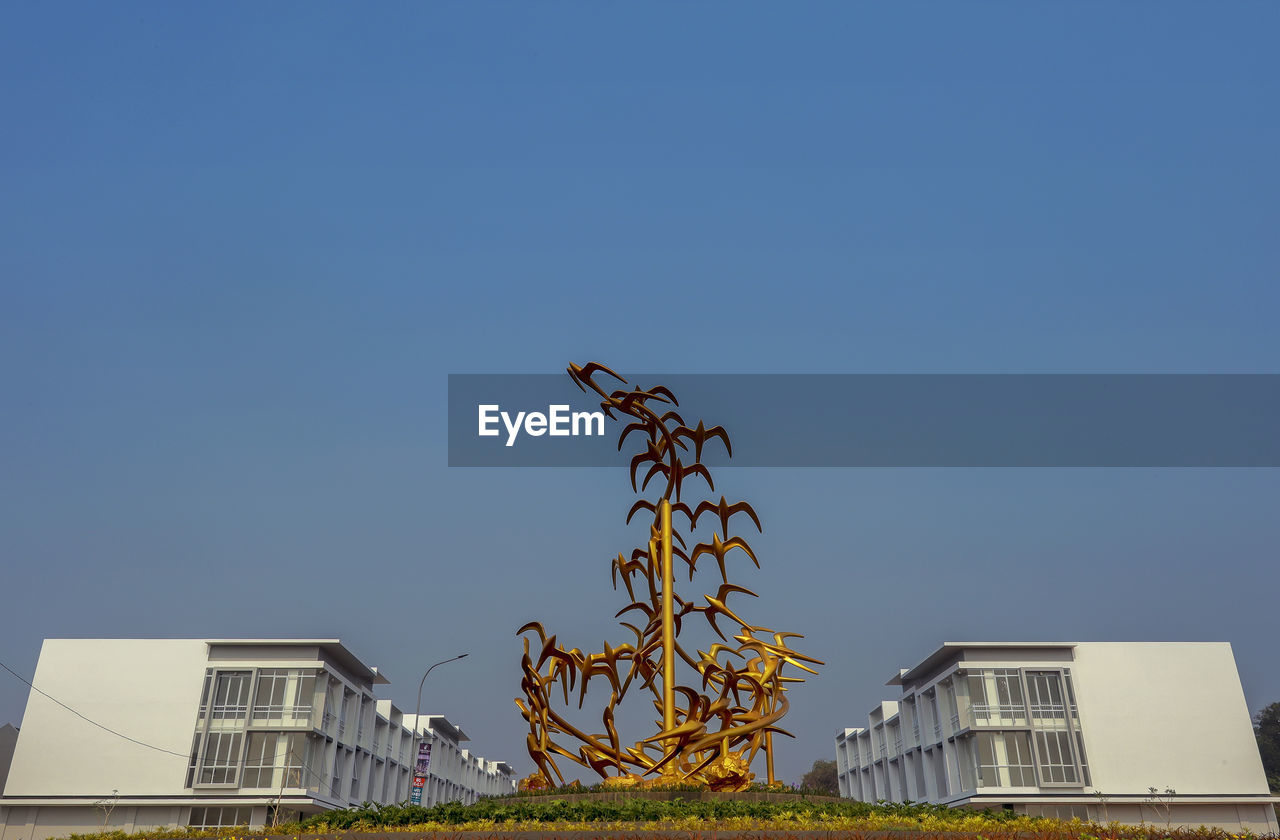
[[209, 733], [1067, 730], [456, 774]]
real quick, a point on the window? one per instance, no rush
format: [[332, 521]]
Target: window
[[1005, 760], [219, 817], [273, 760], [996, 695], [1044, 690], [231, 695], [1057, 766], [221, 758], [283, 696]]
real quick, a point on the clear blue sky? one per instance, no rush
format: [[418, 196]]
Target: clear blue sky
[[242, 245]]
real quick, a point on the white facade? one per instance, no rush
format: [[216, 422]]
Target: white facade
[[234, 732], [1068, 729]]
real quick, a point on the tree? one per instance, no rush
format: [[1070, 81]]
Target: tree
[[822, 776], [1266, 728]]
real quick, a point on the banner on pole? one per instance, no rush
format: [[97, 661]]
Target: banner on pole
[[420, 773]]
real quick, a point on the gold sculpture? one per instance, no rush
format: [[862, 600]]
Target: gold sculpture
[[708, 739]]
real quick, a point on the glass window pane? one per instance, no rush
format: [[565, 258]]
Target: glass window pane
[[221, 759], [1014, 682], [231, 695], [1004, 759]]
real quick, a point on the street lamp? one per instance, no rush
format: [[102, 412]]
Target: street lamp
[[417, 714]]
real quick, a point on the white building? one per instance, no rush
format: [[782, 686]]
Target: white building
[[1063, 730], [232, 732]]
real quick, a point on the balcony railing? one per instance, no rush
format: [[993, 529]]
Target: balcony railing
[[986, 713], [234, 711], [282, 712]]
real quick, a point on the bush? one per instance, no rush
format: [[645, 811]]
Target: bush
[[601, 818]]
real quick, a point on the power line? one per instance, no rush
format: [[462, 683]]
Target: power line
[[87, 719], [303, 765]]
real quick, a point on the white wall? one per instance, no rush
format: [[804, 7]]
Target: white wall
[[52, 821], [1165, 715], [148, 689]]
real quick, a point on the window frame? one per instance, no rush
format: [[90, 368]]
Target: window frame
[[234, 759], [1070, 726]]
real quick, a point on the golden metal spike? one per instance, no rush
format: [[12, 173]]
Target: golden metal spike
[[668, 622]]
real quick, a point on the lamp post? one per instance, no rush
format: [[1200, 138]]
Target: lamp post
[[417, 715]]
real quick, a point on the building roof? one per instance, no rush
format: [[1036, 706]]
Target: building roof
[[334, 648], [886, 709], [951, 650], [439, 723]]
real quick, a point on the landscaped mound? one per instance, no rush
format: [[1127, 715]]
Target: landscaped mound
[[588, 818]]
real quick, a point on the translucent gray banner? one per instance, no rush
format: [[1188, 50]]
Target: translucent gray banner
[[885, 420]]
